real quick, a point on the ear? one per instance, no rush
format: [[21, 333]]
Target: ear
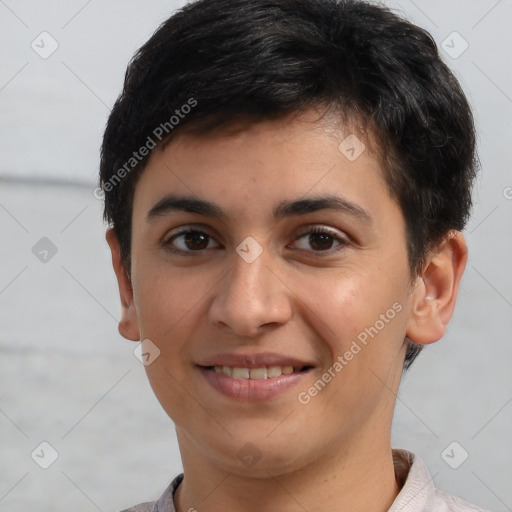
[[436, 290], [129, 324]]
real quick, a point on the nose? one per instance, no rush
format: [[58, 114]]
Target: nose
[[251, 298]]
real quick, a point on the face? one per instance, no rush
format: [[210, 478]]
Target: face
[[261, 253]]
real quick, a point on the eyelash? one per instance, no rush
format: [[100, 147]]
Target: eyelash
[[316, 229]]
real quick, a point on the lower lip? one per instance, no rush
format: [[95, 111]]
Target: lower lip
[[251, 389]]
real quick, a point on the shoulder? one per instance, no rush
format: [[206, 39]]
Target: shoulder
[[142, 507], [418, 493], [452, 503], [164, 504]]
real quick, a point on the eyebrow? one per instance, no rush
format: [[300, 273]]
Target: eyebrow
[[175, 203]]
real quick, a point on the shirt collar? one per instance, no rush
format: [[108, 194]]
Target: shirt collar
[[417, 489]]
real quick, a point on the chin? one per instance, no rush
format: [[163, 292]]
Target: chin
[[259, 456]]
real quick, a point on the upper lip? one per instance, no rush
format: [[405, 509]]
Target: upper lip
[[253, 360]]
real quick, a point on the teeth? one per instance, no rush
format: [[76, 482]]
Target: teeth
[[274, 371], [258, 373], [254, 373], [240, 373]]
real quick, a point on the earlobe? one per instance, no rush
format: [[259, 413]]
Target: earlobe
[[129, 324], [436, 290]]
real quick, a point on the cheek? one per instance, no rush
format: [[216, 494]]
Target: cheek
[[165, 297], [166, 300], [361, 322], [360, 316]]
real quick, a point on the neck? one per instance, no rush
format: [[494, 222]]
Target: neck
[[361, 479]]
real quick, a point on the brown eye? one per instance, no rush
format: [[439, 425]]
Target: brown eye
[[189, 241], [196, 241], [320, 239]]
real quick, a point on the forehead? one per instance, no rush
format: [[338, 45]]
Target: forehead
[[256, 168]]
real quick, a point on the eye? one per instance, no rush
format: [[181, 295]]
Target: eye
[[318, 239], [188, 241], [321, 239]]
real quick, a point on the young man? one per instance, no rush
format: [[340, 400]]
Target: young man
[[286, 183]]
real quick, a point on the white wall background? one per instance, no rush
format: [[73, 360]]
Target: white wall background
[[68, 378]]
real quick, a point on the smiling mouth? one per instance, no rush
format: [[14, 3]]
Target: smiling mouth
[[261, 373]]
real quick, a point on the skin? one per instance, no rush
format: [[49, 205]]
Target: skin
[[333, 453]]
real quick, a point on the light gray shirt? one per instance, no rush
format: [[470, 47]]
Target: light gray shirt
[[418, 493]]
